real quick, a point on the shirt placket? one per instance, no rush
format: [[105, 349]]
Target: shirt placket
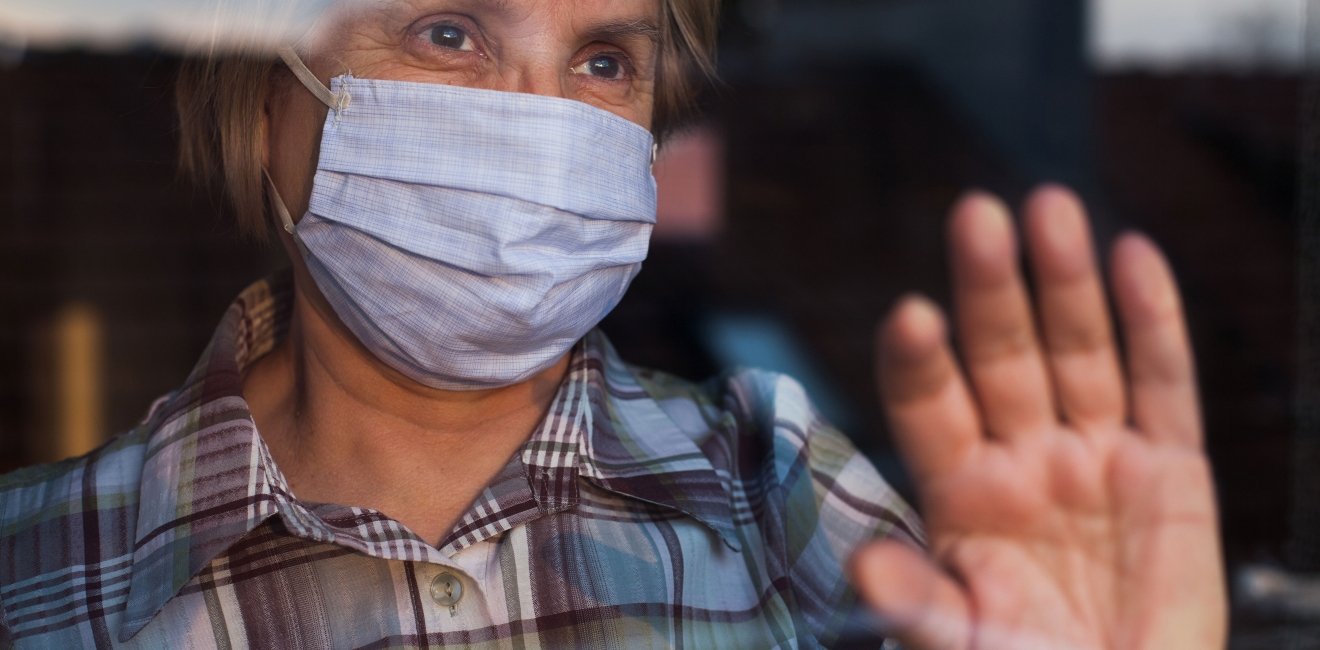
[[453, 595]]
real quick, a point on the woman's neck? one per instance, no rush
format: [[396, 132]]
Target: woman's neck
[[346, 429]]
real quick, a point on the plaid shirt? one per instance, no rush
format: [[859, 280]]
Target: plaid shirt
[[644, 511]]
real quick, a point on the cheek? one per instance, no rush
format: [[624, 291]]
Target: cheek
[[646, 109], [638, 107], [293, 145], [646, 116]]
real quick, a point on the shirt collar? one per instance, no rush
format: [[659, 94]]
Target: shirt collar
[[208, 478]]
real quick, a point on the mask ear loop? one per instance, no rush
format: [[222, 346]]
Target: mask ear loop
[[280, 208], [300, 70], [337, 103]]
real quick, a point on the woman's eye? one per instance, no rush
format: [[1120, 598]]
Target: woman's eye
[[602, 67], [451, 37]]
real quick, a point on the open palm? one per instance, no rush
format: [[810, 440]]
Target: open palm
[[1067, 499]]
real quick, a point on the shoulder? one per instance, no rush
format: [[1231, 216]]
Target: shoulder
[[66, 533], [817, 468], [59, 516], [758, 405], [108, 475], [800, 487], [30, 494], [762, 427], [756, 410]]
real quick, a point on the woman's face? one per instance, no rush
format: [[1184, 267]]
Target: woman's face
[[601, 52]]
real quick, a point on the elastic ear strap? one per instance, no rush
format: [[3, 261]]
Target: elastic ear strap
[[309, 80], [280, 208]]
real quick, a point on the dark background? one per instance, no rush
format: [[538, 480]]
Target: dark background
[[847, 130]]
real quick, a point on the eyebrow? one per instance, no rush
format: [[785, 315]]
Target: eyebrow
[[623, 28], [643, 27]]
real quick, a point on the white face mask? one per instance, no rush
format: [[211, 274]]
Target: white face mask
[[467, 237]]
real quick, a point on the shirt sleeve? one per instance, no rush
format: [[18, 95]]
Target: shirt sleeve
[[829, 499]]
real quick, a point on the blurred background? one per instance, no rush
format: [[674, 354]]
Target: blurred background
[[807, 199]]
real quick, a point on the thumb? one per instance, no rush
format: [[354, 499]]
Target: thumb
[[918, 603]]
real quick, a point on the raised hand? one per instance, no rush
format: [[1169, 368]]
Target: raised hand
[[1067, 499]]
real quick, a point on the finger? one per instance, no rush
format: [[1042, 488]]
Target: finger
[[932, 414], [1159, 357], [995, 321], [919, 604], [1075, 322]]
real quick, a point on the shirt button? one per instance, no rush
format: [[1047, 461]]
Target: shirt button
[[446, 590]]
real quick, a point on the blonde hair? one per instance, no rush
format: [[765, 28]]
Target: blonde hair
[[220, 100]]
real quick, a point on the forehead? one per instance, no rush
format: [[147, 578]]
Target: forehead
[[561, 16]]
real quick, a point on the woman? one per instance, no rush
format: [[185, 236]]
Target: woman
[[417, 439]]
